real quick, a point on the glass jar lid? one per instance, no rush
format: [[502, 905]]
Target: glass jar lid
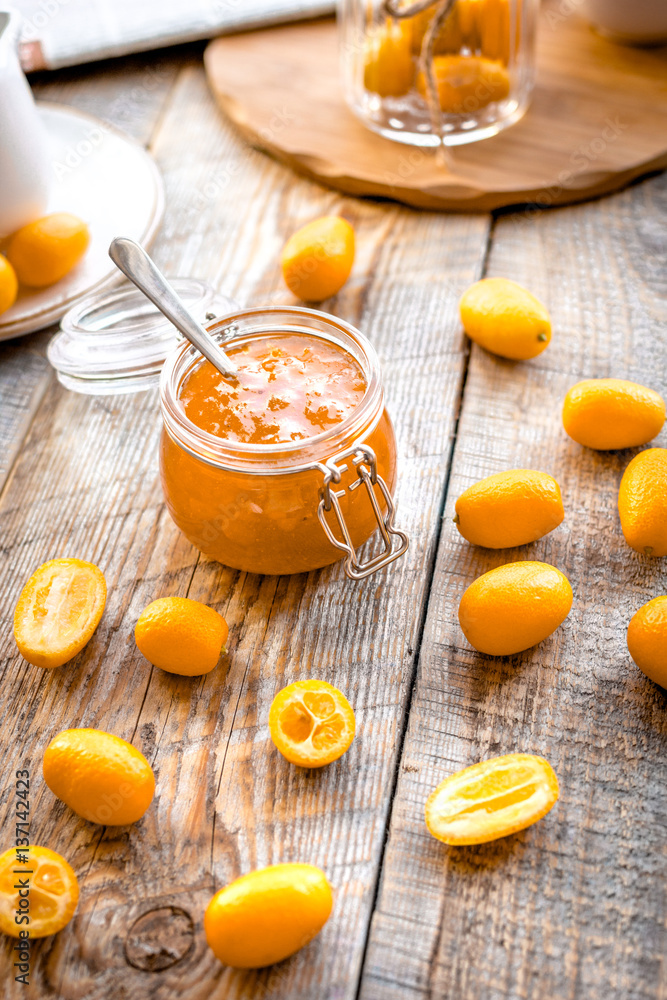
[[117, 342]]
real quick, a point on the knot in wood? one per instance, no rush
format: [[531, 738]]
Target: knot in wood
[[159, 939]]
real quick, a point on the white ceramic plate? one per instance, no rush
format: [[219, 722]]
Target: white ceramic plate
[[109, 181]]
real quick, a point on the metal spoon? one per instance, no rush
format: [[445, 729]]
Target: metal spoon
[[135, 264]]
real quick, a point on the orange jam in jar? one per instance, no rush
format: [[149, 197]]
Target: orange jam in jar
[[290, 466]]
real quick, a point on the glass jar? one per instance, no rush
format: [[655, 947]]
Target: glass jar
[[289, 507], [448, 71], [113, 343]]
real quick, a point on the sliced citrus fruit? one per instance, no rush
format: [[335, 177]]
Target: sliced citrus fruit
[[311, 722], [492, 799], [58, 610], [38, 892]]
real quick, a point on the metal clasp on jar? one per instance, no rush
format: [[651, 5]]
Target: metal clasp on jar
[[364, 461]]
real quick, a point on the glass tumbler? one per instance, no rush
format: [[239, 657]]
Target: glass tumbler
[[443, 72]]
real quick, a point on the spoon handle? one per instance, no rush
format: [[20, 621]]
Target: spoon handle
[[135, 264]]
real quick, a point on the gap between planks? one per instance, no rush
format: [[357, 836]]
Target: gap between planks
[[430, 573]]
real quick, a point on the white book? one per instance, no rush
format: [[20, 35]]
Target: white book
[[60, 33]]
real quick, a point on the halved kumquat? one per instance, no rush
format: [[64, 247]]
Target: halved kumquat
[[58, 610], [311, 722], [492, 799], [39, 884]]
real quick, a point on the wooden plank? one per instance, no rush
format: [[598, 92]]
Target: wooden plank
[[129, 94], [24, 376], [86, 483], [574, 908]]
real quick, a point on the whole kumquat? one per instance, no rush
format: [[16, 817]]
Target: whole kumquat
[[610, 413], [46, 250], [9, 285], [102, 777], [505, 319], [647, 639], [466, 83], [509, 508], [317, 260], [267, 915], [513, 607], [389, 68], [642, 502], [181, 636]]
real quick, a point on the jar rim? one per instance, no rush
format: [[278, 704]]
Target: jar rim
[[293, 456]]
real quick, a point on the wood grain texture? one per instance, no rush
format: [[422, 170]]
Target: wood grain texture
[[574, 907], [598, 118], [24, 376], [85, 483]]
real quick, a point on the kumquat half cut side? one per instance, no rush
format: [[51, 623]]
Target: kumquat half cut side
[[39, 892], [492, 799], [312, 723]]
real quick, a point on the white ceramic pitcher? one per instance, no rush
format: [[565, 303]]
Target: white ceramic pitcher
[[24, 163]]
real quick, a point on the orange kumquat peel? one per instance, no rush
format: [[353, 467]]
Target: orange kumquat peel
[[312, 723], [102, 777], [491, 799], [45, 250], [52, 892], [317, 259], [181, 636], [267, 915]]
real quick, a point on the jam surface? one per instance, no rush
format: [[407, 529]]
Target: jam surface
[[291, 387]]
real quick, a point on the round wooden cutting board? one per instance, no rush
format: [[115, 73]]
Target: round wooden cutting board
[[598, 119]]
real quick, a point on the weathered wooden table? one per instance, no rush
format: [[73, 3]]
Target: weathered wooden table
[[572, 909]]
